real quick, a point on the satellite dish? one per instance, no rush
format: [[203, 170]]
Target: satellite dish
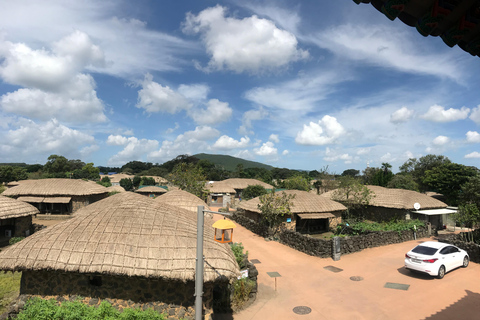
[[416, 205]]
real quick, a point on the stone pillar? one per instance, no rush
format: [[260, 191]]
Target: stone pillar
[[336, 249]]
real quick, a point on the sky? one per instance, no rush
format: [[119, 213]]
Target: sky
[[293, 84]]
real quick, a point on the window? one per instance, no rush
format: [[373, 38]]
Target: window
[[429, 251]]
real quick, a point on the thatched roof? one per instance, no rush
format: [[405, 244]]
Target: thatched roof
[[151, 189], [219, 187], [182, 199], [125, 234], [304, 202], [115, 178], [240, 183], [397, 198], [55, 187], [11, 208], [115, 189]]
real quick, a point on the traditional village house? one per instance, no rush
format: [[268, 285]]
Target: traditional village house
[[310, 213], [220, 194], [115, 189], [182, 199], [15, 219], [125, 247], [57, 196], [388, 204], [151, 191], [239, 184]]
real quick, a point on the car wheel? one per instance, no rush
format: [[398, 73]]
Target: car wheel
[[465, 261], [441, 272]]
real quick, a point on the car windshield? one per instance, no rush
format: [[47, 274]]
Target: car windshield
[[428, 251]]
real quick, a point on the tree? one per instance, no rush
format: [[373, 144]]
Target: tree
[[352, 194], [147, 181], [189, 177], [10, 173], [318, 184], [137, 166], [274, 206], [136, 181], [403, 181], [418, 167], [297, 183], [254, 191], [57, 166], [470, 191], [106, 182], [126, 183], [351, 173], [448, 179]]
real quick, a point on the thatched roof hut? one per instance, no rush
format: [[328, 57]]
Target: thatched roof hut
[[116, 189], [310, 213], [126, 235], [11, 208], [182, 199], [395, 198], [151, 190], [55, 187], [241, 183], [219, 187]]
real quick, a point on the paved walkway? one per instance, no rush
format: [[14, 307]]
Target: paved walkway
[[304, 281]]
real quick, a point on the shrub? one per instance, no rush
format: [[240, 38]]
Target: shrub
[[363, 227], [40, 309], [237, 249], [15, 240], [241, 290]]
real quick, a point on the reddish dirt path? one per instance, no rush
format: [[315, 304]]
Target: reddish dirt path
[[305, 282]]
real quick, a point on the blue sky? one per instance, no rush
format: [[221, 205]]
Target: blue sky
[[292, 84]]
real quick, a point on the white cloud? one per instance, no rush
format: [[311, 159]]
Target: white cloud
[[387, 157], [55, 86], [36, 141], [190, 142], [401, 115], [473, 137], [333, 156], [250, 44], [134, 148], [285, 152], [194, 92], [438, 113], [267, 149], [385, 46], [274, 138], [153, 97], [473, 155], [475, 116], [250, 116], [227, 143], [216, 112], [171, 130], [441, 141], [327, 131], [363, 151], [245, 154]]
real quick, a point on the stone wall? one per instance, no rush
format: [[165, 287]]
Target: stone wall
[[250, 224], [458, 240], [176, 298], [323, 247], [22, 224]]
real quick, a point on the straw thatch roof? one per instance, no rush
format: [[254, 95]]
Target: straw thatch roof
[[240, 183], [115, 189], [219, 187], [55, 187], [125, 234], [151, 189], [11, 208], [397, 198], [182, 199], [304, 202], [115, 178]]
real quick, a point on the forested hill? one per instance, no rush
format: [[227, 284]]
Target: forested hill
[[230, 163]]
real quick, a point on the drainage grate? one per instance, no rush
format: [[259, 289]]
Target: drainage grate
[[302, 310], [333, 269], [255, 261], [398, 286], [356, 278]]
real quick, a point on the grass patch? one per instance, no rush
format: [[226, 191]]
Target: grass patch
[[9, 288]]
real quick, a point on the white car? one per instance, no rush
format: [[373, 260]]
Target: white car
[[436, 258]]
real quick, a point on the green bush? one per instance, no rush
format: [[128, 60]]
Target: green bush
[[362, 227], [40, 309], [237, 249], [241, 290], [15, 240]]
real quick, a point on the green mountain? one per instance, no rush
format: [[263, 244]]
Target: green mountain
[[230, 163]]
